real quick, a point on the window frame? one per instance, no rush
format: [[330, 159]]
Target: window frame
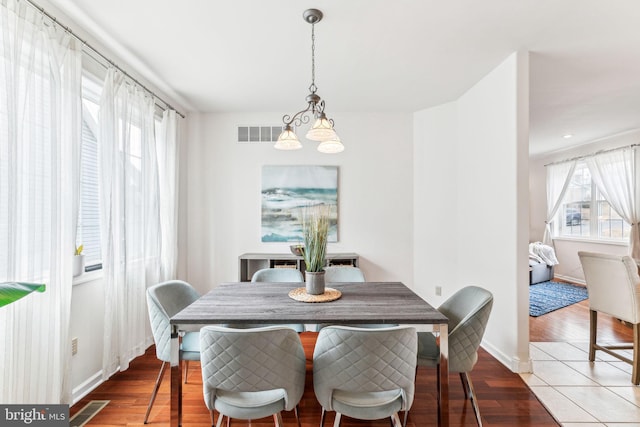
[[595, 200], [91, 87]]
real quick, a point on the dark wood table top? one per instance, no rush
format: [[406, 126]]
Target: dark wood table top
[[269, 303]]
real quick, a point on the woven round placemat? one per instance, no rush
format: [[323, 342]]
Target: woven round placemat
[[300, 294]]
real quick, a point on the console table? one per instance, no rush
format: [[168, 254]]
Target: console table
[[249, 263]]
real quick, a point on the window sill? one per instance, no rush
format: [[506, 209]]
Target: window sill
[[87, 277], [591, 240]]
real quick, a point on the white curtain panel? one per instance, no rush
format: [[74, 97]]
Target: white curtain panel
[[558, 178], [40, 80], [614, 173], [130, 219], [168, 161]]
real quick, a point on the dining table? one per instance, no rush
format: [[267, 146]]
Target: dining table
[[267, 303]]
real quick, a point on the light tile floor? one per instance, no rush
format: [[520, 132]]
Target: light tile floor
[[583, 394]]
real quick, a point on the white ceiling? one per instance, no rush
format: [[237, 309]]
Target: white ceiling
[[382, 55]]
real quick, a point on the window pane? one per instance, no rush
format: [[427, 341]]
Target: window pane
[[610, 224], [88, 233], [576, 209]]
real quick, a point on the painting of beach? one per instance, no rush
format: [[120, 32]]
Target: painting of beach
[[287, 190]]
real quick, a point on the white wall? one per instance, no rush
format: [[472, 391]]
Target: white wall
[[567, 249], [374, 194], [470, 175], [436, 184], [87, 325]]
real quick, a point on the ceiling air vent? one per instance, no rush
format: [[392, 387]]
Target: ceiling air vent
[[251, 134]]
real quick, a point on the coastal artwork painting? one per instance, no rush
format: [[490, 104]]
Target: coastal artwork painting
[[287, 190]]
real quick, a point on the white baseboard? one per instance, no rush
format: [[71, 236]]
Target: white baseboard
[[570, 279], [512, 363], [96, 379], [87, 387]]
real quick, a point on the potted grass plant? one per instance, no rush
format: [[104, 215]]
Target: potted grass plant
[[315, 229]]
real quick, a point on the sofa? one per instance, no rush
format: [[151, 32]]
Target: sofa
[[539, 272], [542, 259]]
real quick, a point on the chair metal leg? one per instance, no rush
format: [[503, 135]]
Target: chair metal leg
[[220, 419], [155, 392], [212, 418], [277, 419], [439, 388], [635, 371], [322, 417], [336, 423], [473, 398], [593, 328], [395, 420], [295, 411], [465, 385], [406, 416]]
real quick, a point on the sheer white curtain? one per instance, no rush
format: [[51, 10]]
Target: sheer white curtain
[[558, 178], [40, 80], [614, 173], [168, 175], [130, 219]]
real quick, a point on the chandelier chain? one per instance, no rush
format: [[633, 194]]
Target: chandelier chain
[[313, 88]]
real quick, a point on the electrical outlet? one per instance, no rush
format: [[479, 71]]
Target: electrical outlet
[[438, 290], [74, 346]]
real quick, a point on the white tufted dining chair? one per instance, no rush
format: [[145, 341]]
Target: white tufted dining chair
[[613, 285]]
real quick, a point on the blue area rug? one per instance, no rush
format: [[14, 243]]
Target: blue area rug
[[546, 297]]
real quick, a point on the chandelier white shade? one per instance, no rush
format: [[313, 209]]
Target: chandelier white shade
[[322, 129], [288, 140], [331, 146]]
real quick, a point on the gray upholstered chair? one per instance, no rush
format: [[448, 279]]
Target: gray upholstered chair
[[274, 275], [278, 275], [468, 312], [163, 301], [613, 285], [252, 373], [343, 274], [348, 275], [367, 374]]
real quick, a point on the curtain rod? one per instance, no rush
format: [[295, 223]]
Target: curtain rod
[[101, 55], [591, 155]]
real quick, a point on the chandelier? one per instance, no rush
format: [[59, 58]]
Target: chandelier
[[322, 129]]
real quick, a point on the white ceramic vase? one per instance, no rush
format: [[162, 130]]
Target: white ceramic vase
[[78, 265]]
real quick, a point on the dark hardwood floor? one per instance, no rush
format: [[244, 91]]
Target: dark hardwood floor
[[503, 397], [571, 324]]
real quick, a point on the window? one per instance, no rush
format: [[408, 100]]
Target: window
[[585, 213], [88, 233]]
